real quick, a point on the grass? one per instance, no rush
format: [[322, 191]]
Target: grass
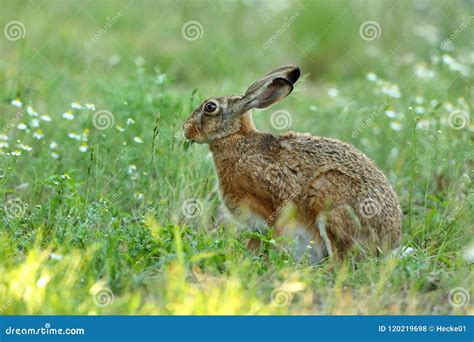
[[104, 230]]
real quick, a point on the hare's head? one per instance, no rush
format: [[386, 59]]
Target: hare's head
[[219, 117]]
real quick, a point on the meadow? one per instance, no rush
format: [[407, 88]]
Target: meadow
[[106, 209]]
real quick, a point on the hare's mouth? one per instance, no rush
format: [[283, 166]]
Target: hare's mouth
[[190, 131]]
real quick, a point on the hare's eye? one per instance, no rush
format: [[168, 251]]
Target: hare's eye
[[210, 107]]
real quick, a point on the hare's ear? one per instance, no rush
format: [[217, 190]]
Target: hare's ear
[[272, 88], [269, 93]]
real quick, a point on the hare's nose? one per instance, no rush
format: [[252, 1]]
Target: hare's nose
[[189, 130]]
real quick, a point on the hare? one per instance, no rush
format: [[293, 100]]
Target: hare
[[342, 201]]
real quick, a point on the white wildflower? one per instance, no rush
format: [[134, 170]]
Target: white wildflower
[[74, 135], [391, 90], [83, 147], [140, 61], [34, 123], [17, 103], [395, 125], [469, 254], [333, 92], [55, 256], [68, 115], [422, 72], [161, 79], [132, 169], [76, 105], [25, 147], [420, 109], [391, 113], [31, 111], [419, 100], [448, 106], [85, 134], [423, 124], [38, 134], [90, 106], [454, 65], [114, 60], [371, 77]]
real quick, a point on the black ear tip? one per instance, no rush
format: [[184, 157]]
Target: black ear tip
[[294, 75]]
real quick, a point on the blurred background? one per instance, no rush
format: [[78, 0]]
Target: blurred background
[[86, 49], [232, 41]]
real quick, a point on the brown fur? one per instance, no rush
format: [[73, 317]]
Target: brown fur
[[333, 186]]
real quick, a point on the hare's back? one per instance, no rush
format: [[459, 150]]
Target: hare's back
[[328, 154], [351, 177]]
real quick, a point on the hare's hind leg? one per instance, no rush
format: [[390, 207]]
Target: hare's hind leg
[[335, 221], [341, 231]]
